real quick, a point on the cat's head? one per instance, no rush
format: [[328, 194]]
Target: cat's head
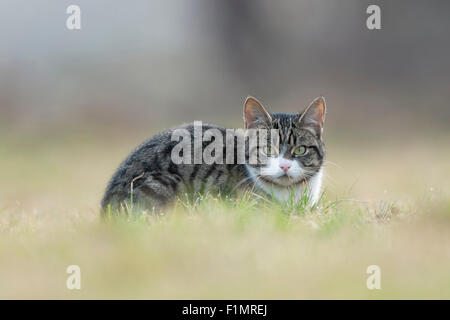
[[299, 151]]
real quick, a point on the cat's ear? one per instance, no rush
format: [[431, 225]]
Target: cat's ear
[[255, 114], [314, 116]]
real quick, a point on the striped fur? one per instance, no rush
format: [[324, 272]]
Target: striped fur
[[152, 180]]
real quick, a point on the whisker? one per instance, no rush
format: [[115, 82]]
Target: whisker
[[240, 183], [333, 163]]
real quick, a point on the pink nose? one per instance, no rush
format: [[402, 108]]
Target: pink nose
[[285, 166]]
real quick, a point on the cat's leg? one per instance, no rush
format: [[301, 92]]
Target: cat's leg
[[155, 192]]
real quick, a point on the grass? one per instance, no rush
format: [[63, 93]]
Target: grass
[[379, 208]]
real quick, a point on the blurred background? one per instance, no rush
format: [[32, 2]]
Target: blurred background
[[138, 67], [73, 104], [159, 63]]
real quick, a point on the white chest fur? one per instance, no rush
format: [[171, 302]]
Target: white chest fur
[[313, 188]]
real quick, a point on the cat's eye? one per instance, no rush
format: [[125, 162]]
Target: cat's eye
[[269, 151], [299, 151]]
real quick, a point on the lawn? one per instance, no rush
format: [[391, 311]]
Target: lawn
[[387, 205]]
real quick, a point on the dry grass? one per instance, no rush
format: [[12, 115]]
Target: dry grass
[[393, 211]]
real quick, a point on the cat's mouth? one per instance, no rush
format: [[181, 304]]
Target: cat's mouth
[[283, 181]]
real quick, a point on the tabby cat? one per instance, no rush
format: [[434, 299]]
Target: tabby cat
[[151, 179]]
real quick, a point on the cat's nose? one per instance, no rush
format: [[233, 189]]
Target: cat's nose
[[285, 166]]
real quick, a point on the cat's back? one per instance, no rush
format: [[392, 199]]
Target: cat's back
[[149, 172]]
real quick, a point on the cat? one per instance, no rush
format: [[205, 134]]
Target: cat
[[150, 179]]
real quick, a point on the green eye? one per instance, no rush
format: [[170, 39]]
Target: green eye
[[269, 151], [299, 151]]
